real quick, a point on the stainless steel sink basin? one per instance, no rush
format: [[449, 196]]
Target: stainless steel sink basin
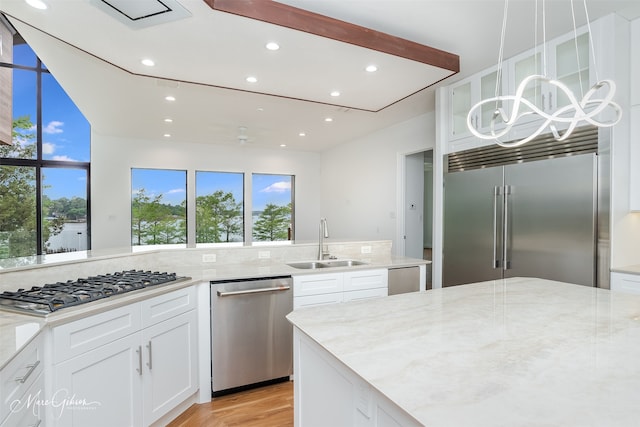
[[329, 263]]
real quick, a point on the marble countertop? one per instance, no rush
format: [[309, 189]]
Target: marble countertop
[[513, 352], [629, 269]]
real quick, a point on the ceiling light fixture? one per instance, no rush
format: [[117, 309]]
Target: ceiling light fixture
[[167, 135], [37, 4], [328, 119], [272, 46], [587, 109], [371, 68], [335, 93], [148, 62], [283, 145], [251, 79], [168, 120], [302, 134], [170, 98]]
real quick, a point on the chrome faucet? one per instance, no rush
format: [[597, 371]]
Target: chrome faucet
[[323, 234]]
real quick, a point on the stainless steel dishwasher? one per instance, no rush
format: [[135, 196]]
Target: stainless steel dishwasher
[[252, 341]]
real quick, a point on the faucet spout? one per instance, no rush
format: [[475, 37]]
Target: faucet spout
[[323, 233]]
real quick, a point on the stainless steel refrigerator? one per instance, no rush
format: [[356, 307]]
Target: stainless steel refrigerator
[[530, 218]]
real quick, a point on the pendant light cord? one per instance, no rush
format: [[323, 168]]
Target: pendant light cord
[[501, 51]]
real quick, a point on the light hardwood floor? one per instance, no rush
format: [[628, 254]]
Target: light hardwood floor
[[269, 406]]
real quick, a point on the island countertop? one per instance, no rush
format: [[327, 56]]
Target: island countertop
[[513, 352]]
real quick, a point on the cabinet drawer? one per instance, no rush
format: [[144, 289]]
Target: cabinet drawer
[[624, 282], [365, 279], [166, 306], [317, 284], [20, 373], [364, 294], [78, 337], [311, 300]]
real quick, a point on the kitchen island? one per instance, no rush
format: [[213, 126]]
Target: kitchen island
[[514, 352]]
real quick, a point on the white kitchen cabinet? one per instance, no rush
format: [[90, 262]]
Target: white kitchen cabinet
[[127, 375], [468, 92], [634, 153], [332, 288], [327, 393], [21, 377], [26, 411], [625, 282]]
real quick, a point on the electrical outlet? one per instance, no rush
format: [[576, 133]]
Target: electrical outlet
[[264, 254], [365, 249], [208, 257]]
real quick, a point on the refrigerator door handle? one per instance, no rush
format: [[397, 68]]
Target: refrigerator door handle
[[496, 195], [506, 264]]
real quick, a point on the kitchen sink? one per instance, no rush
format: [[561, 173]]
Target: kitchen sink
[[326, 263]]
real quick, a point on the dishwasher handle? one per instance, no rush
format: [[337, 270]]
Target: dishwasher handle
[[254, 291]]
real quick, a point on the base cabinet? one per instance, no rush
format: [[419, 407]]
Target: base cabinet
[[135, 379], [332, 288], [327, 393], [27, 410]]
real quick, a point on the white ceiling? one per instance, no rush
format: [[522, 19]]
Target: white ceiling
[[204, 58]]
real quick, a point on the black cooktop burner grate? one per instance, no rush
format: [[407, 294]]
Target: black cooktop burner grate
[[54, 296]]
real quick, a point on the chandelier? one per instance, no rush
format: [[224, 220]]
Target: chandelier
[[561, 122]]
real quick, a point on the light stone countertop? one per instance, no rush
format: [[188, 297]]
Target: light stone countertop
[[513, 352], [17, 330], [629, 269]]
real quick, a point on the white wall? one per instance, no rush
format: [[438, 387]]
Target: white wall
[[360, 180], [113, 158]]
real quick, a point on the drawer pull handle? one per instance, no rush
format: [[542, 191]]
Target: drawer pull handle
[[32, 368]]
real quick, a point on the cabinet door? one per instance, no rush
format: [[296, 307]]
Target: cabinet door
[[316, 284], [461, 97], [169, 364], [624, 282], [364, 294], [104, 384], [521, 67], [571, 67]]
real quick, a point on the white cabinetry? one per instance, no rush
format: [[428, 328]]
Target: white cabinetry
[[22, 381], [635, 117], [625, 282], [575, 70], [331, 288], [327, 393], [128, 366]]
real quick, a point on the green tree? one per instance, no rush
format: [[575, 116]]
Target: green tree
[[218, 217], [18, 194], [273, 223], [153, 222]]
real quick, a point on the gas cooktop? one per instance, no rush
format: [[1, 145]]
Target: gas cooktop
[[46, 299]]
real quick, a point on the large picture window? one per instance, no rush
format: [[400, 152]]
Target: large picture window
[[158, 207], [44, 158], [219, 207], [272, 214]]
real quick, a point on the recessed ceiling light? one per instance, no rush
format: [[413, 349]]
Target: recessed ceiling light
[[328, 119], [38, 4], [335, 93], [168, 120], [148, 62], [260, 109], [251, 79], [167, 135], [283, 145], [272, 46], [170, 98], [371, 68], [302, 134]]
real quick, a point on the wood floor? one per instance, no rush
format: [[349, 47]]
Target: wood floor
[[269, 406]]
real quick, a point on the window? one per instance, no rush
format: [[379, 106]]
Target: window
[[219, 207], [272, 207], [44, 158], [158, 207]]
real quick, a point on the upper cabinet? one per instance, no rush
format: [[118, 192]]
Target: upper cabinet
[[465, 94], [568, 60]]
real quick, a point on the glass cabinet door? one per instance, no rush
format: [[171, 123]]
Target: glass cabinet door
[[572, 68], [461, 97]]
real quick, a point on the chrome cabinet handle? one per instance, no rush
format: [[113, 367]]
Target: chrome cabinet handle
[[139, 368], [149, 363], [32, 368]]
